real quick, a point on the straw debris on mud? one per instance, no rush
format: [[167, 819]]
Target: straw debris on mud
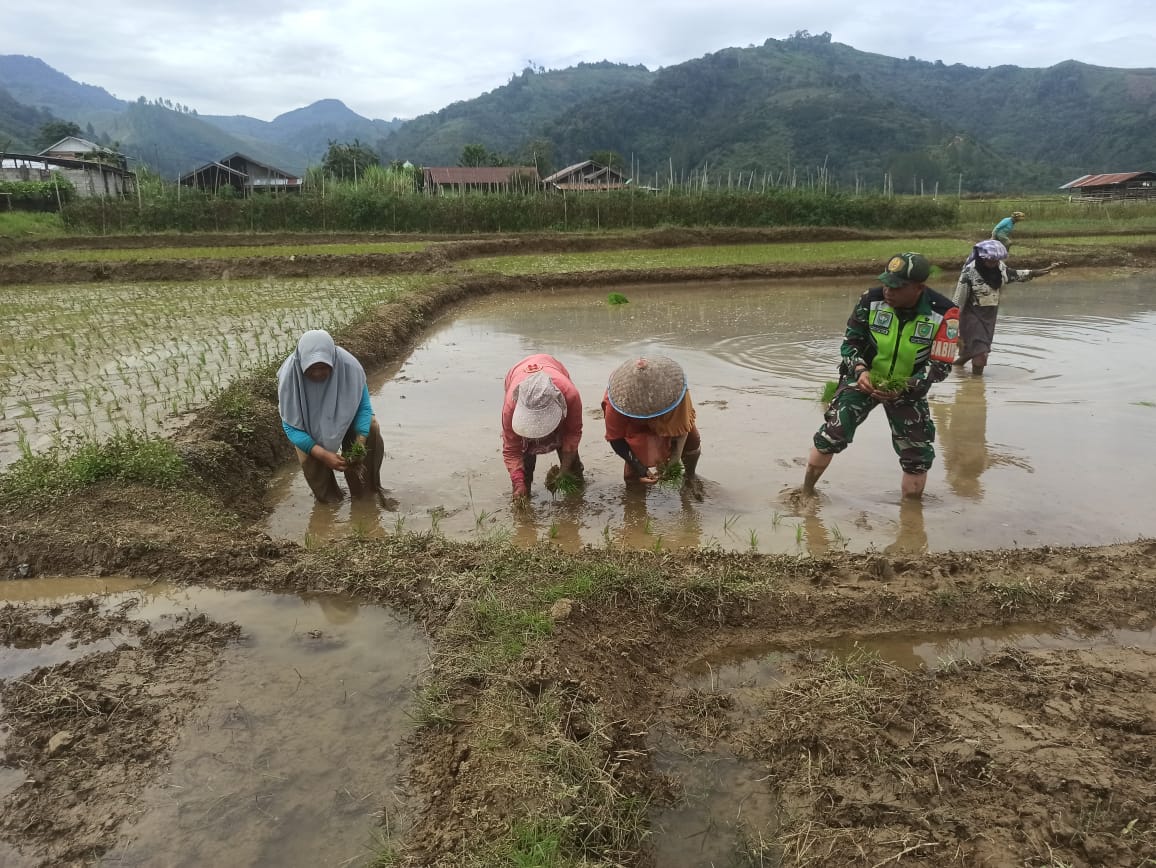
[[87, 735]]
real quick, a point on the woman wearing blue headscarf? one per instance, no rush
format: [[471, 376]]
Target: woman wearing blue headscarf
[[977, 296], [324, 402]]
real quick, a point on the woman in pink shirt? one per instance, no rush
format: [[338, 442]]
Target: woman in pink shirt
[[542, 413]]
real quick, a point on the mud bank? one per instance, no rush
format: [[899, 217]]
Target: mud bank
[[443, 254]]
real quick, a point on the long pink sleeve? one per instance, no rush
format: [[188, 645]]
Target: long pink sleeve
[[513, 446]]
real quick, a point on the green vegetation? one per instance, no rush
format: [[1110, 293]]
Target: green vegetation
[[355, 454], [350, 207], [888, 383], [38, 195], [22, 224], [828, 392], [671, 475], [715, 255], [616, 298], [564, 484], [128, 456]]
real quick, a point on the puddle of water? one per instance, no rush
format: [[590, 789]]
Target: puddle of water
[[726, 803], [1069, 367], [762, 665], [294, 751]]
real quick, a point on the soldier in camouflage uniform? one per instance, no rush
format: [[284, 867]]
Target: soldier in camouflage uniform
[[899, 340]]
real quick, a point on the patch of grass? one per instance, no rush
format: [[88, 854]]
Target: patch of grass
[[129, 456], [504, 629], [616, 298], [535, 845], [1016, 595], [28, 224]]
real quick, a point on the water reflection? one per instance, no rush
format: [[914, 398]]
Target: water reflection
[[961, 428], [910, 530]]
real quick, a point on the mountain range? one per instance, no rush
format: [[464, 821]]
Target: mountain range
[[802, 108]]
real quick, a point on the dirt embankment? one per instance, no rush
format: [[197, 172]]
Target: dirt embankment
[[442, 253]]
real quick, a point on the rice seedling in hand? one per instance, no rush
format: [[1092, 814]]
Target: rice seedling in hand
[[565, 484], [888, 383], [828, 392], [671, 475]]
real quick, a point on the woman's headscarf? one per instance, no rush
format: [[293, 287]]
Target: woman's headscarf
[[988, 250], [322, 410]]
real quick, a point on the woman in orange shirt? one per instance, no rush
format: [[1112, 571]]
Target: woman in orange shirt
[[650, 418]]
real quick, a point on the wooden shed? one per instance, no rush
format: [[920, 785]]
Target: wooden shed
[[244, 174], [587, 175], [1113, 185]]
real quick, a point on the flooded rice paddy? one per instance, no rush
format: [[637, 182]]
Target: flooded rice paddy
[[295, 749], [1043, 449]]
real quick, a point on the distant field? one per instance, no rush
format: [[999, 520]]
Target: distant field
[[732, 254], [162, 253]]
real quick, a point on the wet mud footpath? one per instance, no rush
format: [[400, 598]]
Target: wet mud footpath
[[565, 707]]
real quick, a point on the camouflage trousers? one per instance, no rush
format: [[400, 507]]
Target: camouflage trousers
[[912, 428]]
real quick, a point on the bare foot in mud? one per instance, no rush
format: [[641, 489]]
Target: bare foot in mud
[[800, 498], [694, 487]]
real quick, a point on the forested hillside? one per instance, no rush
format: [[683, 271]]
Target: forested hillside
[[801, 110]]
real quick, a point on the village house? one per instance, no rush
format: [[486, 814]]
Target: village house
[[1115, 185], [91, 169], [587, 175], [484, 179], [242, 173]]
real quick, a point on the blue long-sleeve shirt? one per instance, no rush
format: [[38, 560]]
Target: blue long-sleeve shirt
[[361, 423]]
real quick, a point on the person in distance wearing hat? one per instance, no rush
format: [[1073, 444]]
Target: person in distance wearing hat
[[1003, 229], [900, 339], [650, 418], [542, 412]]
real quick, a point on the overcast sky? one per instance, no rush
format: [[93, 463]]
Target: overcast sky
[[386, 60]]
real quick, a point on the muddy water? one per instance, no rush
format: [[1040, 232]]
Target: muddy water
[[1035, 452], [728, 808], [296, 748]]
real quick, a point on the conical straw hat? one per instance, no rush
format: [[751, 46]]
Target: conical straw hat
[[647, 387]]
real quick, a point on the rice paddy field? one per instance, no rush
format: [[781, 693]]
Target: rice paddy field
[[180, 684], [88, 361]]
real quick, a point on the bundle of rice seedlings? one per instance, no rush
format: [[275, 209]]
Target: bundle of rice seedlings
[[671, 475], [355, 454], [561, 483], [828, 392], [617, 298], [888, 384]]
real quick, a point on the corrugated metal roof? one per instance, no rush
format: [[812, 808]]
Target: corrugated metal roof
[[562, 173], [1103, 180], [479, 174]]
